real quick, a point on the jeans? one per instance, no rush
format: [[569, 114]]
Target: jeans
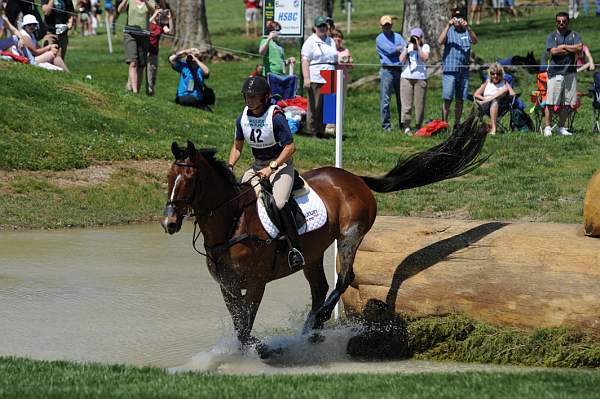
[[390, 80]]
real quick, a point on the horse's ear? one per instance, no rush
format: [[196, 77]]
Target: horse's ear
[[191, 150], [208, 152], [177, 152]]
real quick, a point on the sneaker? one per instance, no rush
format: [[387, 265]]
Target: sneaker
[[547, 131], [387, 128], [407, 131], [564, 132]]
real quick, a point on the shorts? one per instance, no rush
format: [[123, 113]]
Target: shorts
[[497, 4], [509, 3], [503, 105], [136, 48], [562, 90], [251, 14], [455, 84], [477, 3]]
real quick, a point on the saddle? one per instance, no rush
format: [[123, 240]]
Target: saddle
[[299, 188]]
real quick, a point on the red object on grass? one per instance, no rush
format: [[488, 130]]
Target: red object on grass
[[18, 58], [300, 102], [431, 128]]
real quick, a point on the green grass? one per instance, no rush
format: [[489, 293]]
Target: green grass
[[51, 121], [21, 378]]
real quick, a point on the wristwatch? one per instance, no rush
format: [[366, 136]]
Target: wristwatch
[[273, 165]]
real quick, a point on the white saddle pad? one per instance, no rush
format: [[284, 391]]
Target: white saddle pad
[[312, 207]]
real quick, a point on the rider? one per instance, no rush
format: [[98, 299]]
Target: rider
[[264, 127]]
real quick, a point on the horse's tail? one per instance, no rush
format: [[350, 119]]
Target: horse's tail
[[456, 156]]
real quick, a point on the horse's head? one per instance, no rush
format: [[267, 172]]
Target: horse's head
[[184, 184]]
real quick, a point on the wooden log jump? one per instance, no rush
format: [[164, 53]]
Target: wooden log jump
[[516, 274]]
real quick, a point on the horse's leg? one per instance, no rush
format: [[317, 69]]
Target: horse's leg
[[347, 246], [315, 274], [243, 308]]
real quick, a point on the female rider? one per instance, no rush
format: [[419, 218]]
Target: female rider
[[264, 127]]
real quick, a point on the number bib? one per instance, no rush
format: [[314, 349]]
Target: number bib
[[258, 131]]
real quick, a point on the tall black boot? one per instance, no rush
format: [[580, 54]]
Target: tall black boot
[[295, 258]]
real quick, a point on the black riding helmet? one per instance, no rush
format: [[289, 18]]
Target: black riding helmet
[[256, 85]]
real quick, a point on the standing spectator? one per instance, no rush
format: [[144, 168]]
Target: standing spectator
[[413, 83], [272, 51], [109, 9], [476, 11], [330, 25], [85, 23], [510, 6], [497, 5], [457, 38], [562, 46], [58, 15], [160, 22], [318, 54], [136, 38], [251, 16], [344, 56], [192, 73], [389, 45], [573, 9]]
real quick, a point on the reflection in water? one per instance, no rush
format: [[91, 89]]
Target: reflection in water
[[124, 294]]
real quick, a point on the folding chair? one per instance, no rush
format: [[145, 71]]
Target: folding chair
[[595, 94], [283, 87], [504, 107], [538, 98]]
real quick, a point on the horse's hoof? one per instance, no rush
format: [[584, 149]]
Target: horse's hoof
[[264, 352], [316, 338]]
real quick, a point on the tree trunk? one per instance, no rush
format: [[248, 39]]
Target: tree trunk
[[312, 8], [192, 27], [516, 274]]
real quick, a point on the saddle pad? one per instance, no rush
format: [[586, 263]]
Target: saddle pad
[[312, 207]]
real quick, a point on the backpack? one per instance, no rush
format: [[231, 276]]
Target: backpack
[[520, 121]]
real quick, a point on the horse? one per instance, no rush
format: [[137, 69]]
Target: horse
[[243, 258]]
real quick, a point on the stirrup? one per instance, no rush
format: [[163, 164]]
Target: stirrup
[[295, 259]]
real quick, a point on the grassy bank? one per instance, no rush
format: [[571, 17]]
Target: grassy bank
[[21, 378], [55, 122]]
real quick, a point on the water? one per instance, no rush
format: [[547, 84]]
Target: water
[[137, 296]]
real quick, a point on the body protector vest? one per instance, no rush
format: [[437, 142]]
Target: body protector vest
[[258, 131]]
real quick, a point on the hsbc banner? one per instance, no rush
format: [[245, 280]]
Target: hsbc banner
[[289, 14]]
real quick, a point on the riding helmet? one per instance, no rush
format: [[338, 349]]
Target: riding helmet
[[256, 85]]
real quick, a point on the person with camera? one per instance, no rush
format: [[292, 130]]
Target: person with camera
[[136, 38], [263, 127], [37, 55], [272, 51], [413, 82], [58, 16], [457, 39], [192, 74], [160, 22], [389, 46]]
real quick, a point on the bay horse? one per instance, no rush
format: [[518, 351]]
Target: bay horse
[[242, 258]]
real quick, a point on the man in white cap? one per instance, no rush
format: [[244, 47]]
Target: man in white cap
[[389, 46]]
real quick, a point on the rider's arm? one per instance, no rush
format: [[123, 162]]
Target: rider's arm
[[235, 153], [286, 153]]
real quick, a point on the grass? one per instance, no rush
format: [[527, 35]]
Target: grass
[[20, 378], [51, 121]]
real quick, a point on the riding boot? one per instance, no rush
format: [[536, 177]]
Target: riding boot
[[295, 257]]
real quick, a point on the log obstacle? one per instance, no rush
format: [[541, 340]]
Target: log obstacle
[[516, 274], [591, 207]]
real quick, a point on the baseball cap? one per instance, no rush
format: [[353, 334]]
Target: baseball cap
[[29, 20], [416, 32], [320, 20], [386, 19], [457, 13]]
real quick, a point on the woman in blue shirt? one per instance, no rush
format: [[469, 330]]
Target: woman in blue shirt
[[192, 73]]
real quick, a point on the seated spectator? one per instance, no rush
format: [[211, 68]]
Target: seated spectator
[[494, 95], [49, 54], [192, 73]]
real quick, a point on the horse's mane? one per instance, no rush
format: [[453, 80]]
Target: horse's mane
[[218, 165]]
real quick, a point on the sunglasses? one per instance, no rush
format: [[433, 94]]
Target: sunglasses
[[322, 26], [562, 21], [495, 74]]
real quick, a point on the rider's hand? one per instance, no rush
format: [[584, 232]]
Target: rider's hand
[[265, 172]]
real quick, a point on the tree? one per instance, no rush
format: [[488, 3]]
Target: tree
[[431, 16], [192, 27], [312, 8]]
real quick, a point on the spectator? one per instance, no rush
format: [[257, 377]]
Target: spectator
[[251, 16], [494, 95], [510, 6], [497, 5], [58, 15], [413, 83], [389, 46], [573, 9], [109, 9], [562, 46], [585, 61], [272, 51], [318, 54], [476, 11], [344, 57], [258, 71], [457, 38], [48, 54], [330, 25], [160, 22], [136, 38], [84, 7], [192, 74]]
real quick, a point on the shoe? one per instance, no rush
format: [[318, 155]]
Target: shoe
[[387, 128], [547, 131], [407, 131], [564, 132], [330, 129]]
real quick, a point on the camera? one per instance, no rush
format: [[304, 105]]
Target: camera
[[413, 39]]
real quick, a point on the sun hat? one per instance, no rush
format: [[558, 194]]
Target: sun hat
[[386, 19], [416, 32], [320, 20], [29, 20]]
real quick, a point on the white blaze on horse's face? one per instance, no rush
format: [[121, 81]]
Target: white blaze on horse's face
[[177, 179]]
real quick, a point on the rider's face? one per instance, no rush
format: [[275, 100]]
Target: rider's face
[[255, 102]]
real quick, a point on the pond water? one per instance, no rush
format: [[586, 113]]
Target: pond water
[[137, 296]]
